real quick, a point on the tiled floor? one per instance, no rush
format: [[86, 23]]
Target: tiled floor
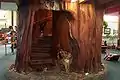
[[113, 68], [5, 61]]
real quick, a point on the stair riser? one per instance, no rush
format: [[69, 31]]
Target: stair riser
[[41, 62], [41, 52], [39, 58], [39, 46], [42, 49], [38, 51]]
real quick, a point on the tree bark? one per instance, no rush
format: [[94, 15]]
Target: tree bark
[[26, 17], [88, 33], [90, 37]]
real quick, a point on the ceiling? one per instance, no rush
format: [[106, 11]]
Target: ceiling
[[106, 3], [103, 1], [8, 0], [99, 1], [113, 14]]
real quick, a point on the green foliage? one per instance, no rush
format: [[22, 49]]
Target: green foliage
[[108, 35], [105, 24], [111, 37]]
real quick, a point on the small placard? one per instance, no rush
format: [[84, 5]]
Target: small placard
[[107, 30]]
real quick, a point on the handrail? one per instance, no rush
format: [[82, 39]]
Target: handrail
[[44, 19]]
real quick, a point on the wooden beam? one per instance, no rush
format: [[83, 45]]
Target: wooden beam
[[112, 9], [111, 3], [8, 0], [108, 4]]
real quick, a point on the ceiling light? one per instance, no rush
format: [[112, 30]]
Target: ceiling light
[[81, 1], [73, 0]]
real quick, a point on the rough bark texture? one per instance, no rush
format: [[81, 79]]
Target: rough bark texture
[[26, 12], [25, 26], [88, 33], [90, 38]]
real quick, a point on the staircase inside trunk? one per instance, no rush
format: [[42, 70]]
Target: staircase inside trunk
[[41, 53]]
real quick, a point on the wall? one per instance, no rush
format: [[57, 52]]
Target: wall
[[113, 25], [6, 18], [6, 14]]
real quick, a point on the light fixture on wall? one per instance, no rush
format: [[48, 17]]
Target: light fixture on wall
[[73, 1], [80, 1], [84, 1]]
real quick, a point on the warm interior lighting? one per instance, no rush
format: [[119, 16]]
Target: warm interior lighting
[[73, 0], [81, 1]]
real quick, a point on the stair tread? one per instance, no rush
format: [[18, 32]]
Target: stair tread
[[39, 58], [36, 53], [41, 61], [43, 46], [41, 51]]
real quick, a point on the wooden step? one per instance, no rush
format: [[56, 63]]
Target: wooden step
[[40, 54], [41, 61], [40, 51], [37, 53], [44, 38], [42, 46], [38, 58]]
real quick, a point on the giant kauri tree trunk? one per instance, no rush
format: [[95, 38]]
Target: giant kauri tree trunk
[[26, 18], [88, 32], [90, 37], [25, 25], [26, 12]]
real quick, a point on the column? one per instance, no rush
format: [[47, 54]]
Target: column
[[118, 42], [12, 18]]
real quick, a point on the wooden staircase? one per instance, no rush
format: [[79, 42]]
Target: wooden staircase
[[41, 53]]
